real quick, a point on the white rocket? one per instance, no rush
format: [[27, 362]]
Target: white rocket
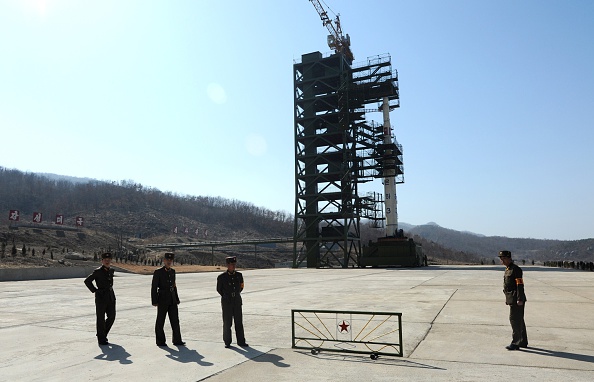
[[389, 178]]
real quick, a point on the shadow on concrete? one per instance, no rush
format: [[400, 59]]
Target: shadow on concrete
[[559, 354], [258, 356], [113, 352], [185, 355], [391, 361]]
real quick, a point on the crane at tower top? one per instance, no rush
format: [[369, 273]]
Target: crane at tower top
[[336, 40]]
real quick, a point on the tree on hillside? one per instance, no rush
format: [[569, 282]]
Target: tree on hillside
[[14, 250], [24, 250], [129, 208]]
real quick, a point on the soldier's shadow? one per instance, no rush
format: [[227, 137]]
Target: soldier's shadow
[[559, 354], [258, 356], [113, 352], [185, 355]]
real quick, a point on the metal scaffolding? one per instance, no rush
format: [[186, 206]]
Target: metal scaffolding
[[336, 149]]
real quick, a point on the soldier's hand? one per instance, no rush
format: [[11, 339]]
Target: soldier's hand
[[520, 303], [154, 304]]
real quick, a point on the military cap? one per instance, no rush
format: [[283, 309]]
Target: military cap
[[231, 259], [106, 255], [504, 254], [169, 256]]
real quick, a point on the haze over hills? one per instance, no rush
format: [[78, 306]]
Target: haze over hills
[[71, 179], [129, 210], [487, 247]]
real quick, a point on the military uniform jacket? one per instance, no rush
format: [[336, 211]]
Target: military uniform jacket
[[230, 286], [163, 288], [513, 285], [103, 277]]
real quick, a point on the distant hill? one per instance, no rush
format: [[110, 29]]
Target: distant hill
[[130, 209], [405, 226], [128, 214], [71, 179], [487, 247]]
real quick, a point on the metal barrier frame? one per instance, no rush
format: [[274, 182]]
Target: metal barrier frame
[[320, 336]]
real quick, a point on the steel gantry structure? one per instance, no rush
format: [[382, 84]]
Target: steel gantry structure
[[336, 149]]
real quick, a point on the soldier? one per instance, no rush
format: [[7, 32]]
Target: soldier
[[105, 300], [513, 288], [229, 286], [164, 297]]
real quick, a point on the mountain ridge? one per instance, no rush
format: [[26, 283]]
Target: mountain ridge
[[488, 247], [131, 210]]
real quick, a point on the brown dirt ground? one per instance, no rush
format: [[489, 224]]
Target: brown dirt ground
[[148, 270], [37, 262]]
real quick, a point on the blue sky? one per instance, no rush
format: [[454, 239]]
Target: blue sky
[[196, 97]]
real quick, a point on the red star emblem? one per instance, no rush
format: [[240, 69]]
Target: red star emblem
[[344, 327]]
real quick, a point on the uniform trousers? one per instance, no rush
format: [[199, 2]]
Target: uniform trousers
[[232, 313], [162, 311], [103, 308], [516, 319]]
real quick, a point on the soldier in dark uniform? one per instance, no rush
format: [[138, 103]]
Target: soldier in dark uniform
[[229, 286], [105, 300], [513, 288], [164, 297]]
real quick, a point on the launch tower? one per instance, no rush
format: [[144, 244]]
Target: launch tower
[[336, 150]]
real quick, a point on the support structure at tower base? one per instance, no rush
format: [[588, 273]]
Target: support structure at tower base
[[393, 252]]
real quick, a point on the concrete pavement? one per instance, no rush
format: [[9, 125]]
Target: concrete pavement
[[455, 327]]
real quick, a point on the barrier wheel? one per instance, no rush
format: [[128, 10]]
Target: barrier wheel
[[374, 356], [315, 351]]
